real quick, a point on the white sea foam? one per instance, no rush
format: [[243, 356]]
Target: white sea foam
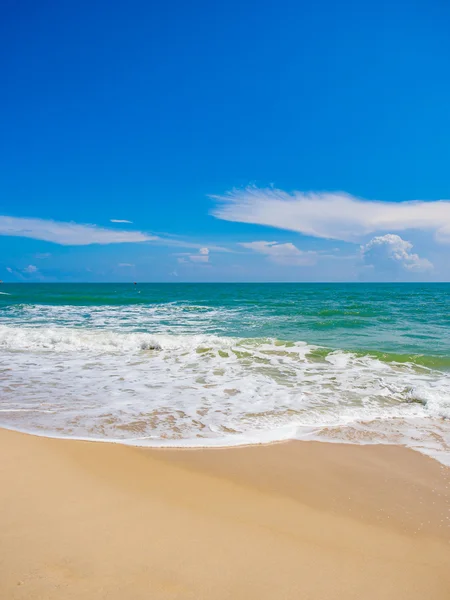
[[185, 390], [170, 317]]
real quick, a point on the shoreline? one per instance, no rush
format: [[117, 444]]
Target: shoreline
[[161, 444], [288, 519]]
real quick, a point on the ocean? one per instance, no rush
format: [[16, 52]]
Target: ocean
[[228, 364]]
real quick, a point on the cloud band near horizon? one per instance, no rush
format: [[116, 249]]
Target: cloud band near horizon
[[68, 233]]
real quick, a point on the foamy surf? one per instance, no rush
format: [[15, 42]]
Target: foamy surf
[[163, 389]]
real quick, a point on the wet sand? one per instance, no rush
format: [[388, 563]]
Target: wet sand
[[299, 520]]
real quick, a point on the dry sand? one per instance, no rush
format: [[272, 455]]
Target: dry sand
[[296, 520]]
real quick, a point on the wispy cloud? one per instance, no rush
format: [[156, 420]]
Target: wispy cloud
[[30, 269], [285, 254], [23, 273], [76, 234], [391, 253], [125, 265], [332, 215], [68, 234], [201, 257], [119, 221], [166, 240]]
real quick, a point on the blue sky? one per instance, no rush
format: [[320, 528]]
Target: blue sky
[[244, 141]]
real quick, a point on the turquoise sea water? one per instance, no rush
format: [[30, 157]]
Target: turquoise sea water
[[219, 364]]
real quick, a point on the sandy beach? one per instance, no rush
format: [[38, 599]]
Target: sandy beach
[[294, 520]]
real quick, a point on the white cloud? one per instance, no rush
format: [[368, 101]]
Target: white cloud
[[67, 234], [9, 269], [286, 254], [391, 253], [120, 221], [202, 256], [125, 265], [332, 215], [30, 269], [75, 234]]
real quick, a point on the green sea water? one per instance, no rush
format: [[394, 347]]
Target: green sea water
[[394, 320], [227, 363]]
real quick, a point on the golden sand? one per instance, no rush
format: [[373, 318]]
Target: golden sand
[[82, 520]]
